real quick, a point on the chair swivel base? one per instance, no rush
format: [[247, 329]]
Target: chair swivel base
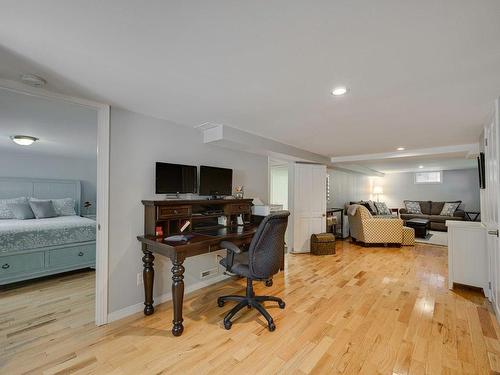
[[249, 301]]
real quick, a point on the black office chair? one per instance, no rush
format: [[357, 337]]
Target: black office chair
[[260, 263]]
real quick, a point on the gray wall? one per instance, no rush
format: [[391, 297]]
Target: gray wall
[[137, 142], [460, 184], [14, 164]]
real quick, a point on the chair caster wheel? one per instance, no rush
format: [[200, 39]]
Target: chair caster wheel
[[228, 325], [281, 305], [269, 283], [271, 326]]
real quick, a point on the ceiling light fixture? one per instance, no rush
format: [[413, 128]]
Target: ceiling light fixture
[[420, 167], [33, 80], [23, 140], [400, 149], [339, 91]]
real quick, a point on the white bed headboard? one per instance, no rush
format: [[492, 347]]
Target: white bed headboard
[[13, 187]]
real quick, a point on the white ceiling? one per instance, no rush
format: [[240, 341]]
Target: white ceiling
[[411, 164], [421, 73], [64, 129]]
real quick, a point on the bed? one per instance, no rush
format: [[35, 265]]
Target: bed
[[41, 247]]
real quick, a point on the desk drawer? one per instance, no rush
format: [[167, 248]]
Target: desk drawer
[[22, 263], [170, 212], [237, 208], [72, 256]]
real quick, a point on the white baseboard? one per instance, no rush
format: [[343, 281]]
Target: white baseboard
[[130, 310]]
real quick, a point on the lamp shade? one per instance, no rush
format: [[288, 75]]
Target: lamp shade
[[378, 190]]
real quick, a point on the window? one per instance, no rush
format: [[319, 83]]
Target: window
[[429, 177]]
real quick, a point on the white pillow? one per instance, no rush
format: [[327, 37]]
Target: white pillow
[[5, 211], [62, 206]]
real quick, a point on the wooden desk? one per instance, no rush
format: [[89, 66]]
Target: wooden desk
[[205, 236], [204, 241]]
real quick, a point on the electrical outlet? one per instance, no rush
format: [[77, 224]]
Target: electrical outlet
[[210, 272], [140, 280]]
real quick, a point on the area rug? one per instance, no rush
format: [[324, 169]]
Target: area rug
[[434, 238]]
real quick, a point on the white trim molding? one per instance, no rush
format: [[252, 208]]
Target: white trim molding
[[138, 307], [103, 131]]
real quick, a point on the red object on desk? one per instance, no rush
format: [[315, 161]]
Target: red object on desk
[[159, 231]]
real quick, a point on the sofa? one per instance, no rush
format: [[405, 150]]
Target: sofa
[[431, 211], [371, 230]]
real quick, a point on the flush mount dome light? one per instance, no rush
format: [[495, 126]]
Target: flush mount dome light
[[421, 167], [23, 140], [400, 149], [339, 91]]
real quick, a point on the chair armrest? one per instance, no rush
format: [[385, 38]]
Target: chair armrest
[[402, 211], [459, 213], [231, 249]]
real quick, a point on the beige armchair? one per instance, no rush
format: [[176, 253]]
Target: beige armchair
[[371, 230]]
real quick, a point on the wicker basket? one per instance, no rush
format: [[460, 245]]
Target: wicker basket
[[323, 244]]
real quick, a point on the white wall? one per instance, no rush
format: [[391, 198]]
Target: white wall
[[137, 142], [14, 164], [346, 187], [459, 184], [279, 185]]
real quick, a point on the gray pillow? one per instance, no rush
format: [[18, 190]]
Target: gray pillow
[[21, 210], [5, 211], [43, 209], [63, 206]]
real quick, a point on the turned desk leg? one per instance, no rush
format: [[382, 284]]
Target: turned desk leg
[[177, 294], [148, 275]]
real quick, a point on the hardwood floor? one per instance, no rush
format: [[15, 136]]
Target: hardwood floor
[[362, 311]]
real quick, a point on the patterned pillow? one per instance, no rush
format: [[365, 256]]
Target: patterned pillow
[[382, 208], [373, 208], [413, 207], [449, 208], [5, 211], [65, 206]]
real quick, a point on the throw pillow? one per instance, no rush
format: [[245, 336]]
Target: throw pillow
[[43, 209], [5, 211], [373, 207], [64, 206], [413, 207], [382, 208], [449, 208], [21, 210]]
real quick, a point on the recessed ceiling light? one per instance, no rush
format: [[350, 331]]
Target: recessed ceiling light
[[33, 80], [420, 166], [23, 140], [400, 149], [339, 91]]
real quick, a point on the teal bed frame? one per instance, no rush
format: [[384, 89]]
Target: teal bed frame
[[21, 265]]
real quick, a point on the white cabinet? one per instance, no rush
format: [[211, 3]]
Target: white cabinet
[[467, 254]]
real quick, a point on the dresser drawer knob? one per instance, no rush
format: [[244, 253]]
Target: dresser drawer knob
[[175, 212], [5, 266], [80, 254]]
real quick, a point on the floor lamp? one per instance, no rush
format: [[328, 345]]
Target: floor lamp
[[378, 191]]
